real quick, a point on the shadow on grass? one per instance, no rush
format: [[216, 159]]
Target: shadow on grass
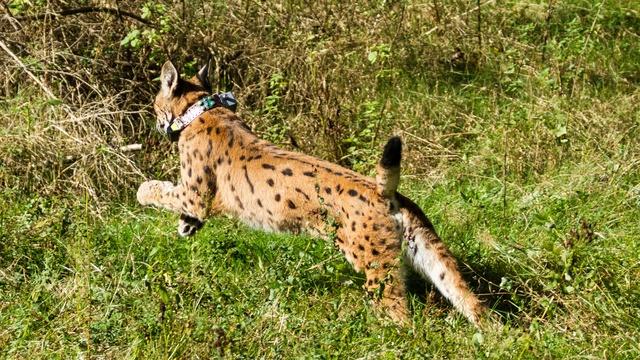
[[485, 283]]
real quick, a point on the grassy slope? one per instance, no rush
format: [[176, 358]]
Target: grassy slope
[[126, 285]]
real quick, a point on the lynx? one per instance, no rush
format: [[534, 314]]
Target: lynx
[[226, 169]]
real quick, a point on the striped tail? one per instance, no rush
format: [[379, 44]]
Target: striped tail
[[388, 170]]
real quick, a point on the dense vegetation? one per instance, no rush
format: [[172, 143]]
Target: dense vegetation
[[521, 122]]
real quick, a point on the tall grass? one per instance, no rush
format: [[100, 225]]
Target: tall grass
[[528, 82]]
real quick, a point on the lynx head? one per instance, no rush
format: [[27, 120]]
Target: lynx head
[[176, 95]]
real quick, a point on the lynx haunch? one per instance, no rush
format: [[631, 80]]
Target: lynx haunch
[[225, 168]]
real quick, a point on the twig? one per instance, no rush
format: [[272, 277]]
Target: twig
[[85, 10], [479, 24], [131, 147]]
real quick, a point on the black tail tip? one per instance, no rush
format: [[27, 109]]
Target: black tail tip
[[392, 153]]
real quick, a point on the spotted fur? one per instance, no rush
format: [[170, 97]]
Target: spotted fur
[[226, 169]]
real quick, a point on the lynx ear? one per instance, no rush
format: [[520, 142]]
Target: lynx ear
[[203, 75], [169, 79]]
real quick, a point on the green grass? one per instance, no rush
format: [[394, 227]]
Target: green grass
[[556, 263]]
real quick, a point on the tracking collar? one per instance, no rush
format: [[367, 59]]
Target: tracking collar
[[176, 125]]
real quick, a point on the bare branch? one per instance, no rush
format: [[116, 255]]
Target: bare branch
[[85, 10]]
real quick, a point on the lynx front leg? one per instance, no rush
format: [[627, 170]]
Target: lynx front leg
[[173, 198]]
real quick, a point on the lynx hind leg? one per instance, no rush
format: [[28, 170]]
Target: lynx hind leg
[[384, 275], [187, 225], [389, 293]]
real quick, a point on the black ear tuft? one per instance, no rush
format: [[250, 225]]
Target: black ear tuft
[[203, 75]]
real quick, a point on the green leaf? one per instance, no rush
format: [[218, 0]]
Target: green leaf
[[372, 57]]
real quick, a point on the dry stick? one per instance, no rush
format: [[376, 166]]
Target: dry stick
[[24, 67], [461, 15], [479, 25], [85, 10], [545, 36], [584, 48]]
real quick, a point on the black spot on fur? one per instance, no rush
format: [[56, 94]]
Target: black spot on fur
[[270, 182], [199, 180], [189, 172], [259, 203], [218, 131], [268, 166], [207, 169], [277, 197], [442, 276], [353, 226], [309, 173], [291, 204], [242, 157], [352, 192], [302, 193], [287, 172], [362, 198], [361, 247], [327, 190], [239, 203], [246, 177], [209, 130]]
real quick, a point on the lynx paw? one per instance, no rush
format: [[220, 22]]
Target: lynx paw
[[188, 225]]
